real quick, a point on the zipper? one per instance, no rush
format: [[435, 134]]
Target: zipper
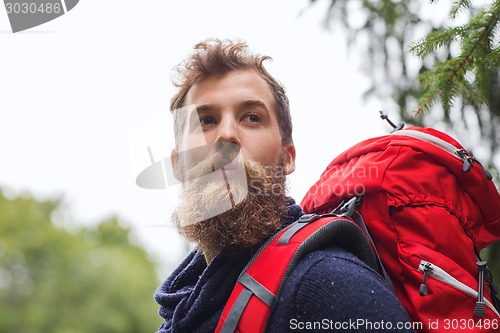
[[463, 155], [436, 272]]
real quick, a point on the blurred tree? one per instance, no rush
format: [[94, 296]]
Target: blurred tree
[[53, 280], [417, 52]]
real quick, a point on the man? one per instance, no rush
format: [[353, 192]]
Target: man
[[233, 151]]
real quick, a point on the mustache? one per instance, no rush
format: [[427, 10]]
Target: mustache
[[223, 161]]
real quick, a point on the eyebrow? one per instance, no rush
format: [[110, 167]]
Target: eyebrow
[[205, 107], [243, 104], [255, 102]]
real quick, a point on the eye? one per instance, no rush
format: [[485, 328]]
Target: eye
[[253, 118], [207, 121]]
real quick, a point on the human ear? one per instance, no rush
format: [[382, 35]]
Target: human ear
[[289, 158]]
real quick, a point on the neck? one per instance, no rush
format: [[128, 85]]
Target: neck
[[209, 255]]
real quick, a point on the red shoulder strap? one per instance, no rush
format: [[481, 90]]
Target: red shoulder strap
[[254, 295]]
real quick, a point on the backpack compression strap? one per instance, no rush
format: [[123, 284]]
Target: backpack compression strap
[[255, 293]]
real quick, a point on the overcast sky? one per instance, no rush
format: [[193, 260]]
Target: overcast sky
[[72, 91]]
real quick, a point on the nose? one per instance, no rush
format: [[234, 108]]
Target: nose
[[227, 143], [228, 132], [227, 152]]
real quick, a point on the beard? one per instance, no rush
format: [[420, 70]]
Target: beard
[[229, 214]]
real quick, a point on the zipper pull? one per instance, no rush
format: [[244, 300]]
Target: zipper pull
[[467, 158], [469, 161], [423, 287], [479, 310]]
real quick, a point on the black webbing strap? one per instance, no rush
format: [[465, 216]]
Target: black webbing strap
[[252, 287], [341, 232], [234, 315], [490, 282], [301, 223], [348, 208], [257, 289], [358, 219]]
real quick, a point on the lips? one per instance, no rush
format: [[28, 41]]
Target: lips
[[25, 14], [222, 164], [232, 172]]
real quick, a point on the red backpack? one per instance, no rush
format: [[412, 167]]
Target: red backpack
[[428, 209]]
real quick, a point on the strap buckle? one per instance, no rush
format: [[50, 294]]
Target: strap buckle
[[347, 208]]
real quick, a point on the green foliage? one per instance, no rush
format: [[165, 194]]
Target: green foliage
[[459, 6], [494, 58], [434, 40], [56, 281], [448, 79]]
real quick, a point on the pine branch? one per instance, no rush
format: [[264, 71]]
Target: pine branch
[[483, 82], [433, 41], [487, 22], [467, 90], [459, 6], [447, 98], [440, 81], [427, 100], [493, 59]]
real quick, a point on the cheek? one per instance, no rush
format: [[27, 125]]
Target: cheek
[[268, 153], [193, 150]]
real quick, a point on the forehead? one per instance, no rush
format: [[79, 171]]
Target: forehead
[[231, 87]]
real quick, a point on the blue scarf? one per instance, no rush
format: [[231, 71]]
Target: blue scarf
[[193, 297]]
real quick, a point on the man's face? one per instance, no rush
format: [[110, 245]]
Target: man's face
[[232, 164], [239, 108]]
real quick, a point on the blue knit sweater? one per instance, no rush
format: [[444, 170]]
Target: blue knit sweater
[[328, 290]]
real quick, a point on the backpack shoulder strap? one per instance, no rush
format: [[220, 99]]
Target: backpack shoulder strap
[[255, 293]]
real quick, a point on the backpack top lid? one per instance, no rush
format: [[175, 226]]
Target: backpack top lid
[[413, 166]]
